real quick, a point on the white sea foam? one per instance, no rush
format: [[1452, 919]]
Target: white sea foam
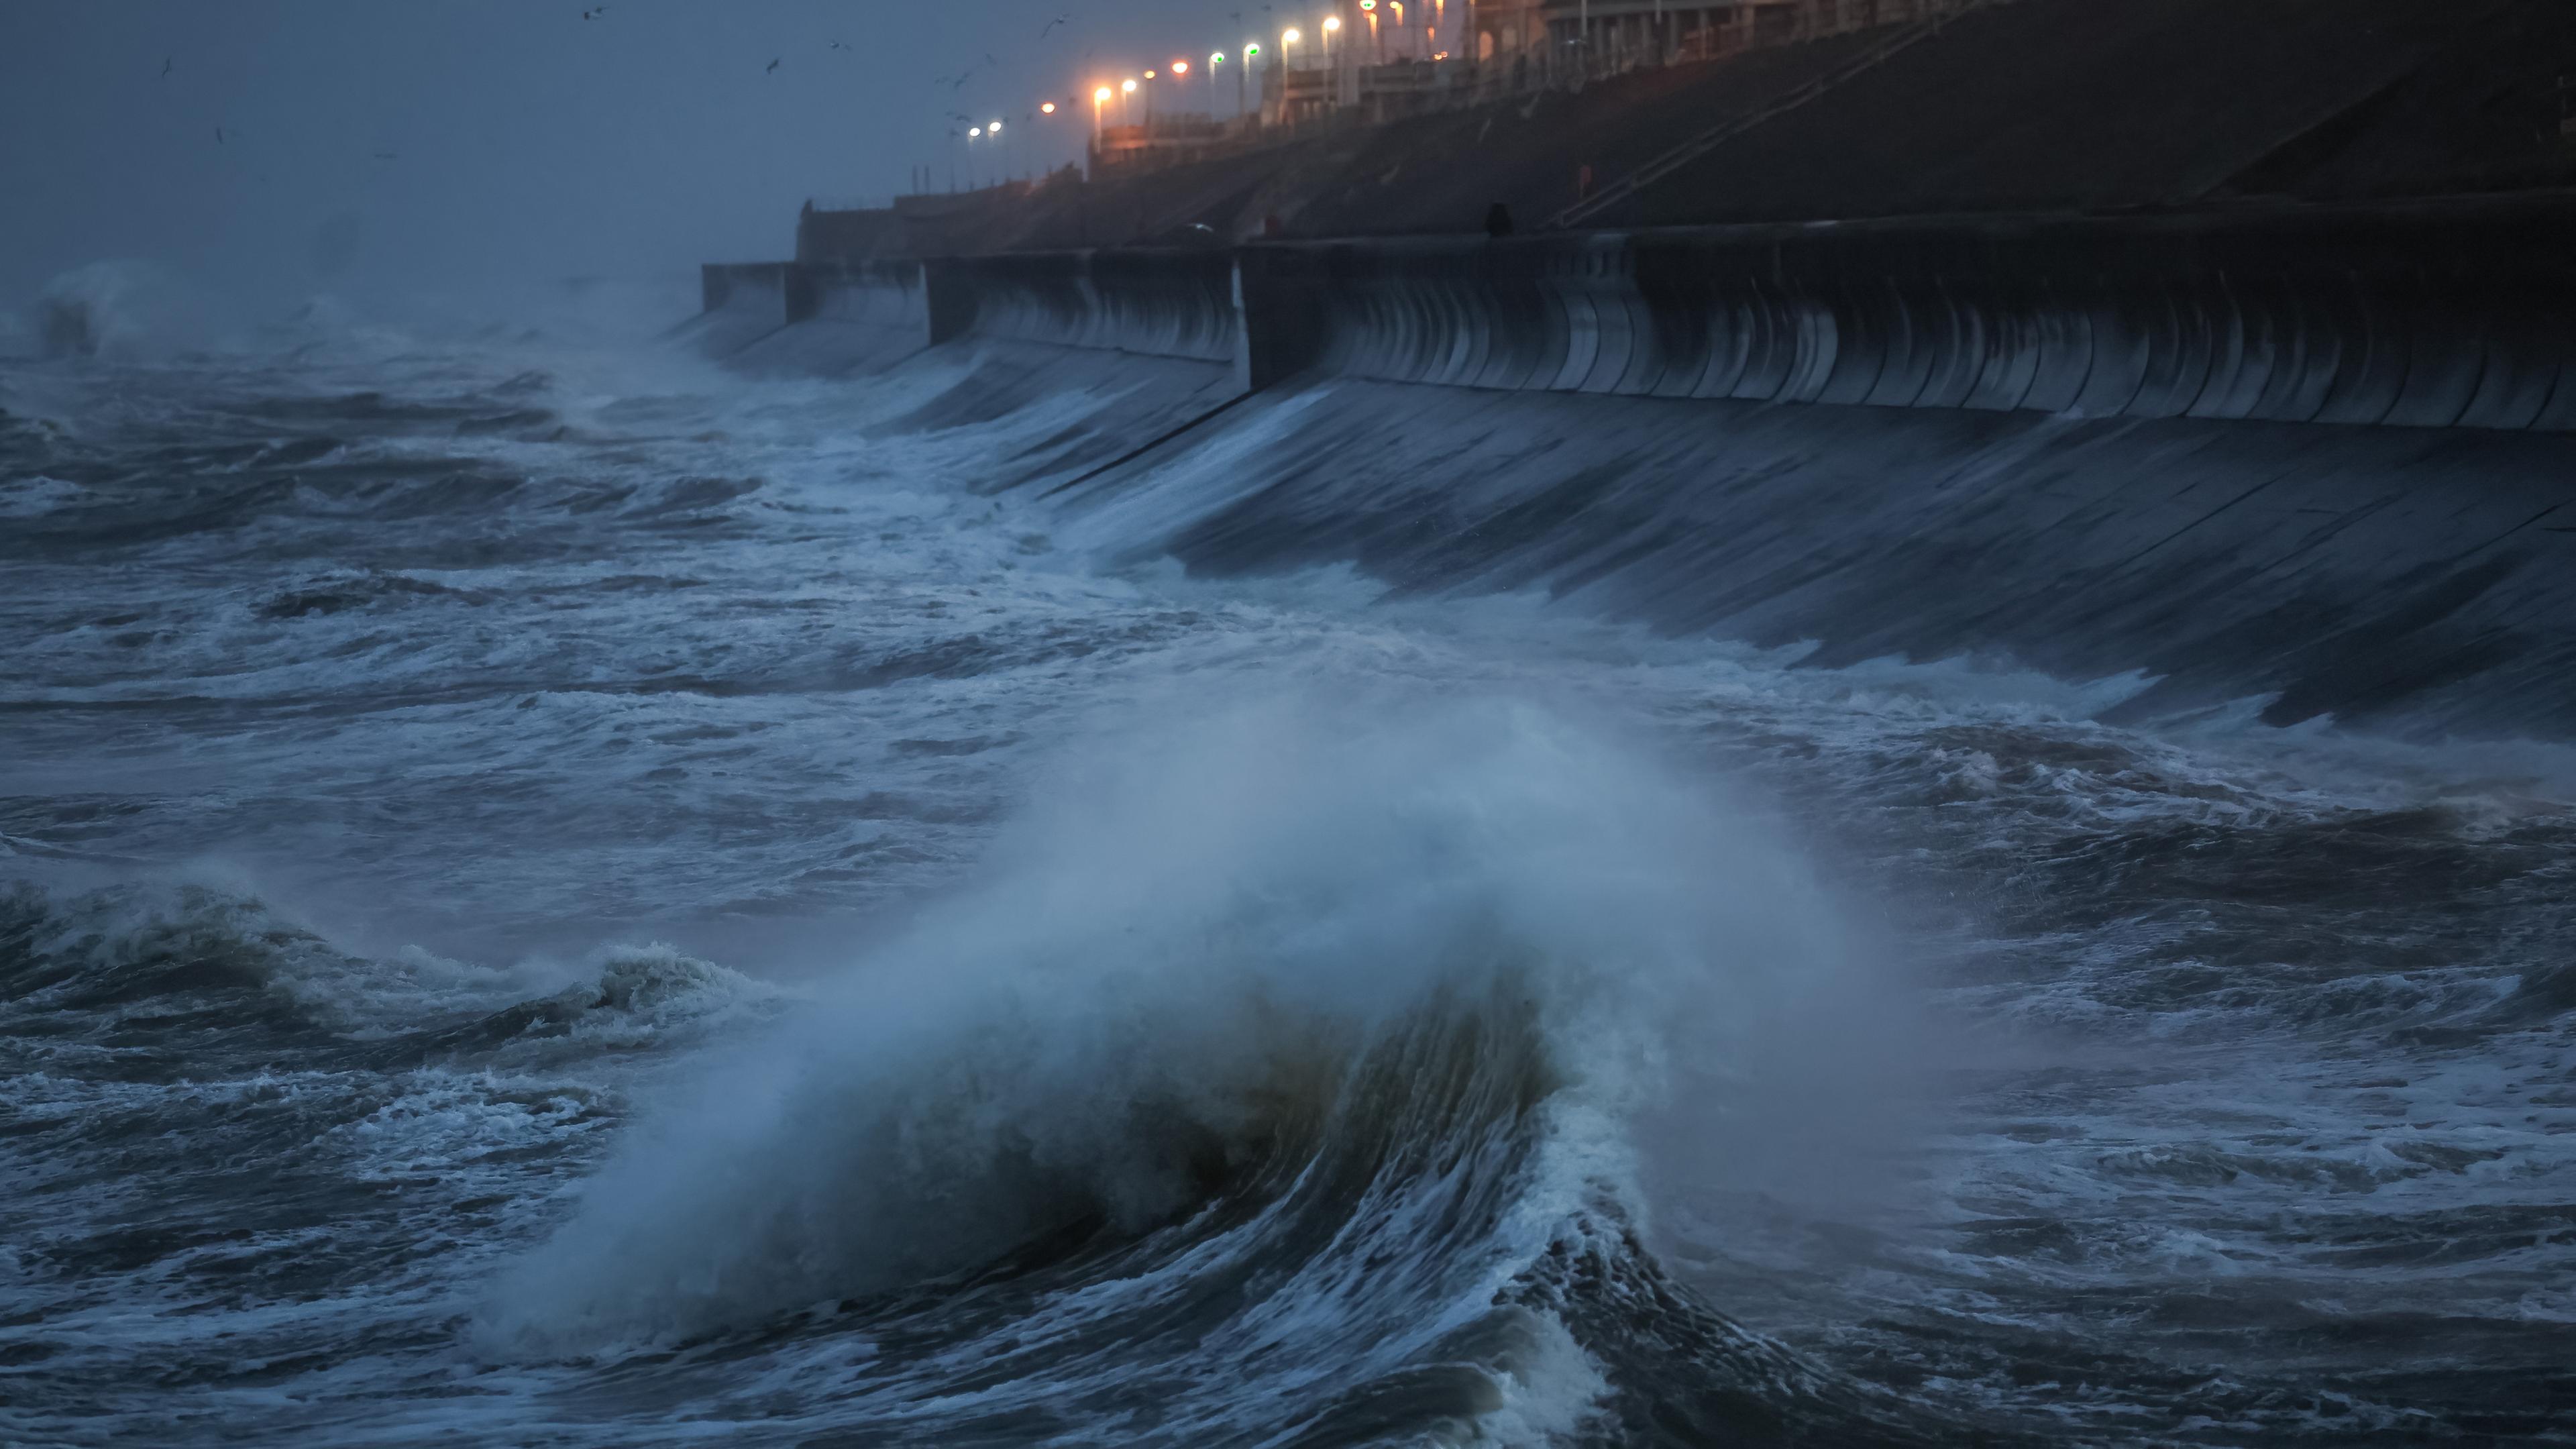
[[692, 661], [1181, 920]]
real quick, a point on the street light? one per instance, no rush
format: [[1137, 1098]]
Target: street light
[[1332, 27], [1099, 105]]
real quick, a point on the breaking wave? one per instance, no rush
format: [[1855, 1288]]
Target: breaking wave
[[1288, 1066]]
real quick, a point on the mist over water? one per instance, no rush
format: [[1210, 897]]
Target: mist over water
[[557, 895]]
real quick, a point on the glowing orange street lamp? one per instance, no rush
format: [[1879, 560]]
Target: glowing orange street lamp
[[1046, 108], [1099, 104]]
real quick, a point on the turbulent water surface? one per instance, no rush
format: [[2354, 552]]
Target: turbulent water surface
[[563, 897]]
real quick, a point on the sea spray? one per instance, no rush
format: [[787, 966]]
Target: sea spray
[[1354, 999]]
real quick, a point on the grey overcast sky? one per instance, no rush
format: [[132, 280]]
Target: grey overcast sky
[[368, 146]]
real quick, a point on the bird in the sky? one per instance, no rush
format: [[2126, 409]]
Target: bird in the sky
[[594, 12], [1052, 24], [835, 45], [219, 135], [165, 68], [772, 66], [385, 155]]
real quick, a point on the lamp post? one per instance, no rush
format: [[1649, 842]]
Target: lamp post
[[1099, 105], [1216, 67], [1288, 39], [1126, 98], [1181, 83]]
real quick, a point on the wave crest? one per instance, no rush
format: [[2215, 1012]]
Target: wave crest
[[1290, 1043]]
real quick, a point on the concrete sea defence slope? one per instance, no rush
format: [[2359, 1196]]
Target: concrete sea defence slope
[[2416, 582], [2307, 462], [831, 318]]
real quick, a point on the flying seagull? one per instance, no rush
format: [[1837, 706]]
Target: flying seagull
[[219, 135], [1052, 24], [165, 68], [594, 12], [773, 65]]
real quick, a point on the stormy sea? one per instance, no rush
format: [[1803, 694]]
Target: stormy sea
[[553, 893]]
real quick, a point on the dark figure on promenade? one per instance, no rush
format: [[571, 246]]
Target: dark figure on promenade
[[1498, 221]]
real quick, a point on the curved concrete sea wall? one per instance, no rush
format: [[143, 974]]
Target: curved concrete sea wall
[[2434, 315], [2302, 463], [844, 317], [2451, 316], [740, 304], [1153, 303]]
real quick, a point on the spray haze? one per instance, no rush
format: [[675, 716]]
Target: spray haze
[[420, 156], [1208, 965]]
